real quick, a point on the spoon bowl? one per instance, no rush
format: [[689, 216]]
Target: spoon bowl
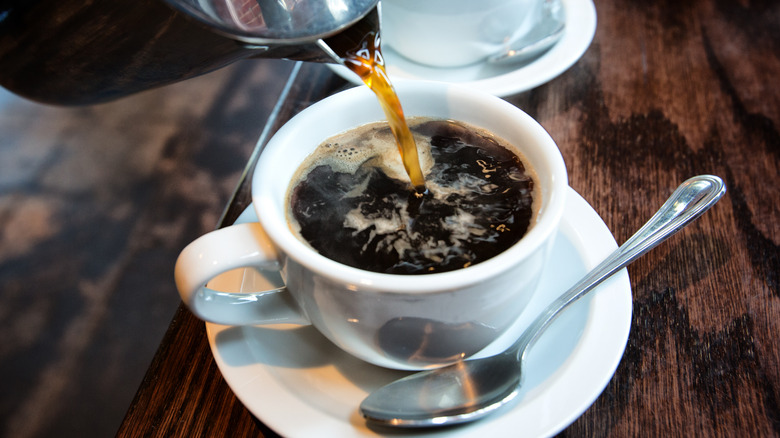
[[468, 390]]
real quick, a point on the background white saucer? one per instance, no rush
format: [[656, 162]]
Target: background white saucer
[[300, 385], [504, 80]]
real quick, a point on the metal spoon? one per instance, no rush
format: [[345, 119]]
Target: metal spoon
[[469, 390], [539, 39]]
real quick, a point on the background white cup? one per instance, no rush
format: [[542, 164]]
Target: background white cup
[[454, 33], [396, 321]]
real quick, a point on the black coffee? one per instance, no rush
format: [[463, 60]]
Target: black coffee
[[352, 201]]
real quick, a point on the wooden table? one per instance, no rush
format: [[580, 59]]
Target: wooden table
[[666, 91]]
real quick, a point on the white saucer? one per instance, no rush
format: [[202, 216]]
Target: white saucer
[[300, 385], [504, 80]]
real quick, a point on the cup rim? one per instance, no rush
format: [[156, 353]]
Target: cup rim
[[272, 215]]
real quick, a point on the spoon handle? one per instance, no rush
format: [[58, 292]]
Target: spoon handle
[[688, 202]]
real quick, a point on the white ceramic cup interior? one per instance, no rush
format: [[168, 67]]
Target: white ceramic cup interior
[[396, 321]]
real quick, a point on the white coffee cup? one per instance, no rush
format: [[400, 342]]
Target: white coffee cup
[[455, 33], [395, 321]]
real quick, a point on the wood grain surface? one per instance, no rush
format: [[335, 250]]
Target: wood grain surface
[[667, 90]]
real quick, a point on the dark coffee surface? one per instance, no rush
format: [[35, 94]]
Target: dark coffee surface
[[479, 202]]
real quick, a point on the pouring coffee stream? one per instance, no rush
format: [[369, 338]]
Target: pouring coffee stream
[[469, 390], [366, 60]]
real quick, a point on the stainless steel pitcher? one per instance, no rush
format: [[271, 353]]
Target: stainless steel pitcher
[[77, 52]]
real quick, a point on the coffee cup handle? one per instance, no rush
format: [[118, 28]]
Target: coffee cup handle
[[238, 246]]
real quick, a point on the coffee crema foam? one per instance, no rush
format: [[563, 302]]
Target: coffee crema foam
[[351, 199]]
